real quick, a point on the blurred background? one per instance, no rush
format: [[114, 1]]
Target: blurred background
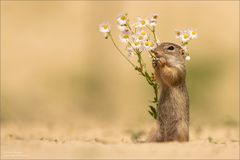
[[57, 68]]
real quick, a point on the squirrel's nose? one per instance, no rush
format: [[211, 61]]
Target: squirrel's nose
[[157, 54]]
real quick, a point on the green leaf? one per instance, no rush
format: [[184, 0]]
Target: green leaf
[[155, 100], [152, 112], [153, 109]]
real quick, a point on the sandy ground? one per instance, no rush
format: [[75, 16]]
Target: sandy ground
[[35, 141]]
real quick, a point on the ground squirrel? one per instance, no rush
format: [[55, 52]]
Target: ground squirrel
[[173, 107]]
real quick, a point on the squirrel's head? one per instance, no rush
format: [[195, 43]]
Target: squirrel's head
[[173, 53]]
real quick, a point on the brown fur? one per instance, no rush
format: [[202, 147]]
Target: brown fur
[[173, 107]]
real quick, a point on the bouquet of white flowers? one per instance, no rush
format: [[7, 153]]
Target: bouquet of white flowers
[[140, 37]]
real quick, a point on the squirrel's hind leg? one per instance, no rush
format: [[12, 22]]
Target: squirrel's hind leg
[[155, 135]]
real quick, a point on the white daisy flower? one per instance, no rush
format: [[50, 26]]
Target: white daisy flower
[[105, 27], [137, 45], [122, 19], [153, 20], [146, 45], [187, 58], [124, 38], [143, 33], [142, 22], [185, 37], [135, 25], [193, 34], [139, 38], [178, 33], [152, 45], [152, 23]]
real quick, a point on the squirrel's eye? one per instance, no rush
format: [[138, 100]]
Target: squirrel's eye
[[171, 48]]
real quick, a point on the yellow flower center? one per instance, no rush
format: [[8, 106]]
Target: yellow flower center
[[137, 43], [125, 37], [140, 37], [123, 18], [105, 26], [143, 22], [146, 43], [143, 33], [151, 44], [185, 36], [194, 33]]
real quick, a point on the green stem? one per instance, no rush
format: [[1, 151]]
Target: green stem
[[151, 82], [149, 28], [132, 47], [152, 55], [140, 60], [130, 28], [154, 34], [124, 56], [142, 71]]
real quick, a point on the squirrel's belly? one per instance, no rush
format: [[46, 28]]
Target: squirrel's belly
[[173, 115]]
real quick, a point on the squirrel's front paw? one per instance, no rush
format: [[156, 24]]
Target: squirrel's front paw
[[161, 61], [154, 63]]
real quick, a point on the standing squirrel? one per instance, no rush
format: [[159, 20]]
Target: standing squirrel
[[173, 106]]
